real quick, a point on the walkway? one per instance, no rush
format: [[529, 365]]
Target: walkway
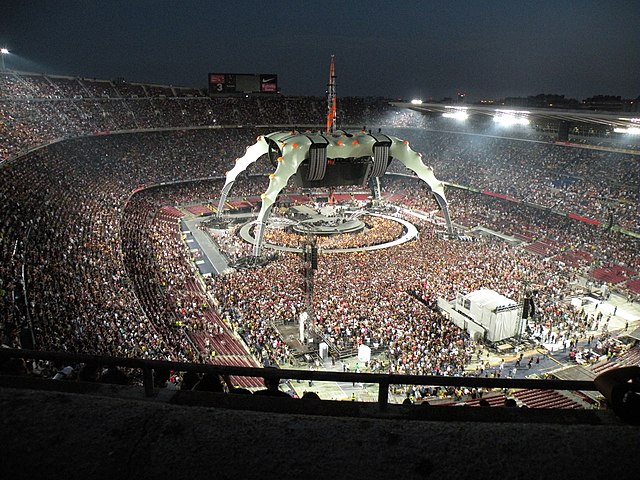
[[210, 260]]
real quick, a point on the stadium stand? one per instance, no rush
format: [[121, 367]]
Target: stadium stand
[[77, 217]]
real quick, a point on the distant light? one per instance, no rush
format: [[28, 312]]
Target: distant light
[[4, 51], [508, 120], [416, 101], [457, 113], [511, 117], [630, 130], [632, 120]]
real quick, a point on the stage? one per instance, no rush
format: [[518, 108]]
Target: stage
[[319, 223]]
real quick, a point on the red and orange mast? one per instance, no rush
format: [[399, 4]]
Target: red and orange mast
[[331, 97]]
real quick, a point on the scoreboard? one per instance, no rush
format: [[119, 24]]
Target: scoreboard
[[233, 83]]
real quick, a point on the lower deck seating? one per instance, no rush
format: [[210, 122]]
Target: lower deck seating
[[633, 285], [612, 273], [545, 399]]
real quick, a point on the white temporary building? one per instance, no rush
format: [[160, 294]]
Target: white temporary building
[[497, 314]]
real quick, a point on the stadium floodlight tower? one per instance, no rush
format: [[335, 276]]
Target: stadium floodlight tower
[[328, 159]]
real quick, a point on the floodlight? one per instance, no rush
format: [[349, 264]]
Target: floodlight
[[632, 120], [3, 51], [416, 101], [457, 113], [630, 130], [511, 117]]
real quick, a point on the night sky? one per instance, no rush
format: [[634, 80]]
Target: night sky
[[397, 49]]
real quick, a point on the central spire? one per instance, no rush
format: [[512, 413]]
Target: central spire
[[331, 97]]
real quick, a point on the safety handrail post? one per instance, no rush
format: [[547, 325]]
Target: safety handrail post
[[147, 380], [383, 395]]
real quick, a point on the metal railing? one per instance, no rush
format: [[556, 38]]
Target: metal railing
[[383, 380]]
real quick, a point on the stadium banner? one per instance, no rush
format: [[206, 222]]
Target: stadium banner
[[269, 83], [499, 195], [583, 219]]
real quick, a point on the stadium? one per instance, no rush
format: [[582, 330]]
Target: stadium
[[117, 243]]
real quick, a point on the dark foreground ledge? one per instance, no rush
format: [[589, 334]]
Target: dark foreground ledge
[[103, 431]]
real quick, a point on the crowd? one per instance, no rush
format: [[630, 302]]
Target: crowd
[[361, 298], [599, 184], [229, 242], [38, 109], [471, 209], [61, 211], [591, 183], [74, 241]]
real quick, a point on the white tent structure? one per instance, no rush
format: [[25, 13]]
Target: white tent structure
[[288, 150], [498, 315]]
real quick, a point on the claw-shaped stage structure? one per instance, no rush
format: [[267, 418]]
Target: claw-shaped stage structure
[[317, 159]]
